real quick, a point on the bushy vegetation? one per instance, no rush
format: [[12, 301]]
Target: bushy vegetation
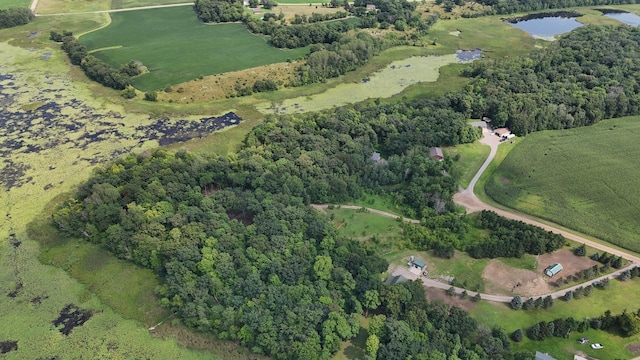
[[492, 7], [586, 76], [513, 238], [94, 68], [218, 11], [15, 17]]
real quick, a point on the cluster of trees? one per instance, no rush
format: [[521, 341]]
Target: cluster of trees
[[626, 323], [15, 17], [94, 68], [219, 11], [399, 14], [492, 7], [316, 17], [630, 274], [586, 76], [607, 259], [512, 238], [539, 303]]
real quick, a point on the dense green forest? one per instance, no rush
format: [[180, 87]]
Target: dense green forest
[[492, 7], [587, 75], [15, 17]]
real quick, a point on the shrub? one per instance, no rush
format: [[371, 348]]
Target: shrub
[[517, 335], [151, 96], [128, 93], [516, 303]]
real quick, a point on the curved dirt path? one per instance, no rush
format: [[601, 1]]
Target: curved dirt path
[[472, 203], [35, 3]]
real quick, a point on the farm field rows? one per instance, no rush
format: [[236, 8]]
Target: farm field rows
[[159, 43], [582, 178]]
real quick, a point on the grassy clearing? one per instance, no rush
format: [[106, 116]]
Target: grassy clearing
[[8, 4], [363, 225], [159, 44], [66, 6], [615, 299], [472, 156], [127, 4], [378, 202], [580, 178], [466, 270]]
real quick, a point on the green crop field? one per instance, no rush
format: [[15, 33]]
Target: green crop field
[[8, 4], [616, 299], [176, 47], [583, 179]]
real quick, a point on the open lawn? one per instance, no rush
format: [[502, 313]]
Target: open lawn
[[616, 298], [156, 37], [582, 178], [472, 156], [364, 225], [8, 4]]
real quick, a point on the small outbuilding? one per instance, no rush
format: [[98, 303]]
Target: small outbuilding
[[392, 280], [502, 132], [552, 270], [376, 156], [436, 153], [419, 264], [543, 356]]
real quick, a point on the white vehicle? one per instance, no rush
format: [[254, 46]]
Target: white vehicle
[[597, 346]]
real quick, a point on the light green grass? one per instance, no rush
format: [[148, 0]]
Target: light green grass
[[526, 262], [616, 298], [8, 4], [472, 156], [176, 47], [392, 80], [582, 178], [378, 202], [364, 225], [466, 270], [127, 4]]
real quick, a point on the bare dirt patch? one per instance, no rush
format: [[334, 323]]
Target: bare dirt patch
[[219, 86], [504, 181], [434, 294], [571, 264], [290, 10], [634, 348], [504, 279]]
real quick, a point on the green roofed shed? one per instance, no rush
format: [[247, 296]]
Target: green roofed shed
[[419, 263], [553, 270]]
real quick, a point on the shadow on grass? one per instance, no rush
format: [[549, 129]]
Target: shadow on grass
[[357, 348]]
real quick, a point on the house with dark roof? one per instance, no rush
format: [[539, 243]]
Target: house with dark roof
[[436, 153], [392, 280]]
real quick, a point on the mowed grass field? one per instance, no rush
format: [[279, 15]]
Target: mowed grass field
[[176, 47], [616, 299], [8, 4], [584, 179]]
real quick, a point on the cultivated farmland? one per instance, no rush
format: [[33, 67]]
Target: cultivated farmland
[[582, 178], [156, 37]]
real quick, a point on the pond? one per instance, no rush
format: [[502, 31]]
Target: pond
[[625, 17], [387, 82], [548, 27]]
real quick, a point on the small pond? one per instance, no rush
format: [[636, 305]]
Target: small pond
[[546, 27], [625, 17]]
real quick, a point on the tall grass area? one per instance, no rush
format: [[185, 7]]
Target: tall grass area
[[616, 299], [127, 4], [584, 179], [176, 47]]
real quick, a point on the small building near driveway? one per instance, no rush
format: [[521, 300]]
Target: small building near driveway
[[543, 356], [552, 270], [501, 132]]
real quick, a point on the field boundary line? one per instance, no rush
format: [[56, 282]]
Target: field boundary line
[[115, 10]]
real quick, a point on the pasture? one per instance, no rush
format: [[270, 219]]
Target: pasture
[[156, 37], [581, 178], [616, 298], [8, 4]]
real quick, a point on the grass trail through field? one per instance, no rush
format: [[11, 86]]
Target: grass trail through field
[[35, 4]]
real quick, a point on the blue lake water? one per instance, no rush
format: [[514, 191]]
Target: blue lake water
[[548, 26], [627, 18], [469, 55]]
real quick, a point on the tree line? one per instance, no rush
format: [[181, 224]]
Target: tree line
[[503, 7], [95, 69], [584, 77], [15, 17]]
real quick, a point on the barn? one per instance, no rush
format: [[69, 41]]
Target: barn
[[436, 153], [552, 270]]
